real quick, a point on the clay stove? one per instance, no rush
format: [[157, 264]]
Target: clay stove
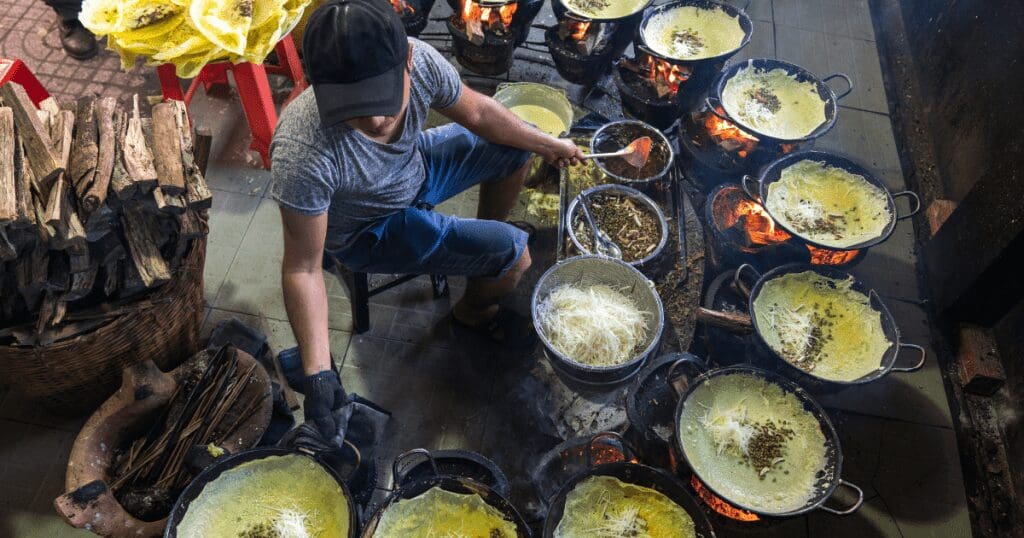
[[414, 14], [649, 87], [584, 50], [485, 33], [743, 232]]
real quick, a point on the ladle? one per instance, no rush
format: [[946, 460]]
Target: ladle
[[636, 153]]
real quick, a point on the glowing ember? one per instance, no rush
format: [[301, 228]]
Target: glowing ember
[[402, 7], [733, 206], [720, 506], [665, 76], [729, 136], [824, 256]]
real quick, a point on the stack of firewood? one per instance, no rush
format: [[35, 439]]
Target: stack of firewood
[[98, 206]]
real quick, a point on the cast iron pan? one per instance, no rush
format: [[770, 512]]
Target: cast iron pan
[[640, 475], [808, 379], [414, 487], [827, 481], [825, 92], [744, 19], [773, 173], [211, 473], [463, 463]]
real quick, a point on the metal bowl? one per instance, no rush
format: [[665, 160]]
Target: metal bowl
[[618, 134], [588, 271], [644, 200]]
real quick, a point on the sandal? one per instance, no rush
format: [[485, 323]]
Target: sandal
[[507, 329]]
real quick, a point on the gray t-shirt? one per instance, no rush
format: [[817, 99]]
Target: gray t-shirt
[[340, 171]]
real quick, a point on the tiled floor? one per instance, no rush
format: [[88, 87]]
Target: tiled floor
[[897, 433]]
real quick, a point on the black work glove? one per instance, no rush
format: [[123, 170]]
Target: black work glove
[[324, 400]]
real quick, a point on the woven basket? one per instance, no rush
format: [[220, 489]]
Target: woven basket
[[74, 376]]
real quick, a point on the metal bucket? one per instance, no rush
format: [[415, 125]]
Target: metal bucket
[[589, 271], [629, 192], [531, 93]]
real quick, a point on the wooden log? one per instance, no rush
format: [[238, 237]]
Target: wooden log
[[141, 231], [8, 251], [57, 205], [167, 150], [201, 148], [121, 183], [31, 274], [23, 186], [131, 283], [38, 146], [8, 194], [50, 106], [138, 159], [107, 250], [198, 195], [113, 276], [84, 150], [82, 283], [100, 223], [58, 274], [730, 321], [79, 262], [978, 361], [96, 195], [46, 232]]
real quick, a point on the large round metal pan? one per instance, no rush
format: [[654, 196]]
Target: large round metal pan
[[651, 13], [887, 362], [825, 92], [827, 481], [640, 475], [773, 172]]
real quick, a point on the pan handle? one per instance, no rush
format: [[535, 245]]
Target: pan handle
[[737, 279], [714, 109], [915, 367], [627, 450], [689, 360], [401, 460], [849, 84], [851, 509], [746, 183], [915, 204]]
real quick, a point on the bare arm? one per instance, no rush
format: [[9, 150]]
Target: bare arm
[[491, 121], [302, 279]]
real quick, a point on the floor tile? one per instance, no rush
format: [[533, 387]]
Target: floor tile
[[918, 397], [871, 520], [762, 42], [230, 216], [759, 10], [867, 138]]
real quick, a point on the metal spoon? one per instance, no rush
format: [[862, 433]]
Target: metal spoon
[[636, 153], [603, 244]]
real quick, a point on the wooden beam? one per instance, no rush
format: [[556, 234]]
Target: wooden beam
[[167, 150], [8, 194], [198, 194], [120, 181], [22, 186], [8, 251], [38, 146]]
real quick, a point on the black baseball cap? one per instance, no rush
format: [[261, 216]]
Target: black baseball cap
[[355, 52]]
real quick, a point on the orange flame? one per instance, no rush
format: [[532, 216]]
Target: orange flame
[[728, 135], [732, 206], [824, 256], [497, 18], [401, 7], [719, 505], [660, 71], [578, 29]]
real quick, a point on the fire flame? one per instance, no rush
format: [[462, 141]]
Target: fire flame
[[578, 29], [729, 136], [733, 207], [664, 73], [498, 18], [719, 505], [402, 7], [824, 256]]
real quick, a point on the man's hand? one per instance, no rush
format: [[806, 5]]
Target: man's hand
[[324, 396], [562, 152]]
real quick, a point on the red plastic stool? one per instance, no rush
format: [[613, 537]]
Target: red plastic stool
[[16, 71], [253, 89]]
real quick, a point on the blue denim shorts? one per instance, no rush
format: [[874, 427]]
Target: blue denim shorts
[[417, 240]]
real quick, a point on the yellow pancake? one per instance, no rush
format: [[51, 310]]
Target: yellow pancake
[[773, 103], [693, 33]]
